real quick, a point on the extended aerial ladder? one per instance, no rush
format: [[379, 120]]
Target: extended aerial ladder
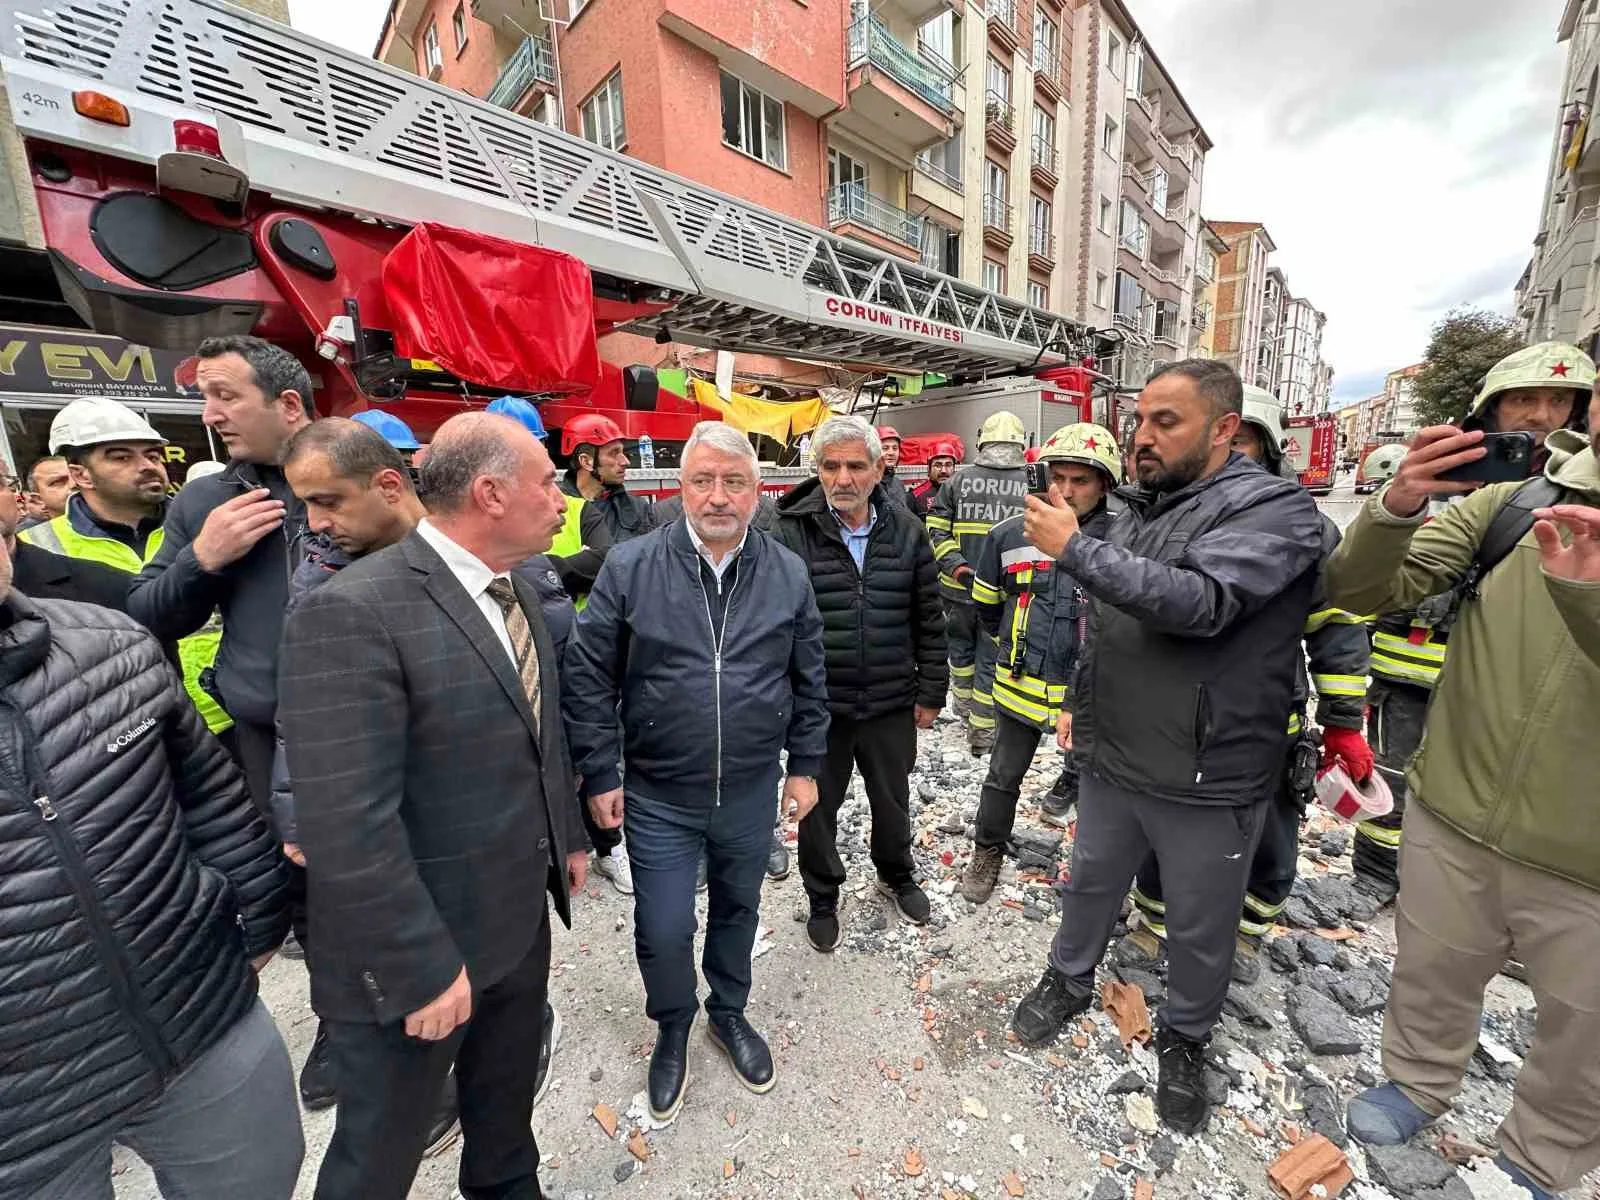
[[229, 104]]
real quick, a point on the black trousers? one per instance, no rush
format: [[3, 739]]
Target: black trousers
[[1272, 868], [252, 747], [885, 749], [1396, 714], [1014, 747], [390, 1084], [1204, 852]]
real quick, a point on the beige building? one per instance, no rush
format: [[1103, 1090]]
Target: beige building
[[1207, 268]]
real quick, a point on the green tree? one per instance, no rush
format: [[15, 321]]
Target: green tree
[[1464, 344]]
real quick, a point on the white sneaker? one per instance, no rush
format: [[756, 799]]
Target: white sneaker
[[616, 867]]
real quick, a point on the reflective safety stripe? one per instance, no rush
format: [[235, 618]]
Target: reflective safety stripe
[[1295, 724], [978, 721], [971, 528], [1254, 928], [1429, 651], [1332, 616], [1378, 834], [1148, 903], [1159, 928], [984, 592], [1340, 685], [966, 672], [938, 524], [1386, 667], [1027, 710], [1261, 908], [1024, 556], [948, 546]]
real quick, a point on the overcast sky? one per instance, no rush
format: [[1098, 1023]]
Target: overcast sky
[[1395, 149]]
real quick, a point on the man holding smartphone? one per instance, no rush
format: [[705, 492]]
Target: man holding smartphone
[[1502, 850], [1536, 390]]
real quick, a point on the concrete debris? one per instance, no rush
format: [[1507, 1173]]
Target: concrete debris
[[1362, 993], [1141, 1113], [1407, 1170], [1313, 1168], [1321, 1024]]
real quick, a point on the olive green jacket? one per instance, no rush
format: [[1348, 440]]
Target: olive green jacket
[[1511, 754]]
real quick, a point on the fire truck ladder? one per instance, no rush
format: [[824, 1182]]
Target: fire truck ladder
[[314, 125]]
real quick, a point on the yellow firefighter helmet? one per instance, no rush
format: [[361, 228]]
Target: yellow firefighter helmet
[[1091, 445]]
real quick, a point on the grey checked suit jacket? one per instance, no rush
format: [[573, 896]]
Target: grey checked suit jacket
[[432, 819]]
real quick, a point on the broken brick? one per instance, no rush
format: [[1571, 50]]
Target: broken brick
[[1314, 1163]]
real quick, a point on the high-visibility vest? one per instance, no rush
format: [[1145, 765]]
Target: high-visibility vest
[[570, 540], [196, 653]]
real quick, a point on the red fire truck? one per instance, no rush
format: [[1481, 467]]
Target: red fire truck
[[1313, 451], [202, 170]]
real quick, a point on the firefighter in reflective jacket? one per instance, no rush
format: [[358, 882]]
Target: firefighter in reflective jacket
[[1536, 390], [115, 517], [1038, 616], [977, 498], [1338, 650]]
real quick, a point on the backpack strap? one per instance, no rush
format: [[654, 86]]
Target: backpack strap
[[1509, 526]]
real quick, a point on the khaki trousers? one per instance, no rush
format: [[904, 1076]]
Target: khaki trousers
[[1462, 911]]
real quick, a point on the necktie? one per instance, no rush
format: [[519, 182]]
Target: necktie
[[522, 647]]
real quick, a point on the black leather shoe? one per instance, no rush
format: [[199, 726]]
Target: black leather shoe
[[446, 1124], [316, 1077], [669, 1070], [1181, 1100], [1045, 1011], [746, 1050]]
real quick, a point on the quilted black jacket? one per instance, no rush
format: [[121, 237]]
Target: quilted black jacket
[[882, 627], [136, 882]]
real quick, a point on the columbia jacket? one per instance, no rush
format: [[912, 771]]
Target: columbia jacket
[[883, 625], [138, 882], [174, 597], [1037, 613], [1510, 756], [973, 501], [1200, 599], [705, 705]]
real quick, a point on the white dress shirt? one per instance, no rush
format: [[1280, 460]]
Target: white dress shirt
[[474, 575], [719, 569]]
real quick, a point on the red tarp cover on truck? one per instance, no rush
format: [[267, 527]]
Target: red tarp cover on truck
[[493, 312], [918, 449]]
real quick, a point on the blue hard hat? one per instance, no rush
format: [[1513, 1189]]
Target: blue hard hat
[[392, 429], [523, 412]]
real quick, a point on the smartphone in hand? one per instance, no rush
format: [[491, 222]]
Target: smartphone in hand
[[1038, 475], [1508, 458]]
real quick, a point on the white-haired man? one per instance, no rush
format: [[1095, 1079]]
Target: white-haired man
[[705, 633]]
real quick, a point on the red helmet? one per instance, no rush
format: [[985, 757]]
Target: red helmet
[[945, 450], [591, 429], [888, 433]]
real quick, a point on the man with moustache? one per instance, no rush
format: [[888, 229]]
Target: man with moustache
[[427, 883], [1198, 595], [877, 588], [705, 638], [941, 465]]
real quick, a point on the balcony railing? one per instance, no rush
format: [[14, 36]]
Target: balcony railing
[[938, 174], [1205, 270], [1129, 171], [869, 40], [851, 202], [1202, 317], [1004, 11], [1044, 154], [531, 63], [1163, 276], [996, 213], [1046, 64], [1132, 322], [997, 110], [1042, 244]]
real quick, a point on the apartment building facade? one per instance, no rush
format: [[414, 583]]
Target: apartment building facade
[[1391, 415], [1242, 294], [1304, 380], [1207, 271], [1558, 295]]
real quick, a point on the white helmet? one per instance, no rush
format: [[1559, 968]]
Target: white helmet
[[202, 468], [1265, 411], [96, 420]]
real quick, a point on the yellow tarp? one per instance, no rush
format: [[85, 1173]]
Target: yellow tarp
[[782, 422]]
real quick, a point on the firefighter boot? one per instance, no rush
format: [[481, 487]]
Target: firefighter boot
[[1247, 959], [982, 873], [1143, 949], [980, 739]]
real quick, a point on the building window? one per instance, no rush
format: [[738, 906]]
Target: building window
[[1166, 320], [752, 122], [842, 170], [940, 39], [458, 26], [576, 8], [1039, 216], [1158, 189], [1105, 215], [1113, 53], [432, 58], [1108, 139], [1044, 133], [999, 79], [994, 275], [601, 114], [1100, 283], [1046, 40], [1134, 229], [1038, 294], [941, 248], [943, 162], [1130, 301], [996, 181]]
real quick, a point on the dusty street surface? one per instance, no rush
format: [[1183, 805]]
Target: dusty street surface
[[896, 1078]]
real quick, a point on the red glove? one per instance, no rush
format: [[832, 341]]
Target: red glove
[[1349, 748]]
